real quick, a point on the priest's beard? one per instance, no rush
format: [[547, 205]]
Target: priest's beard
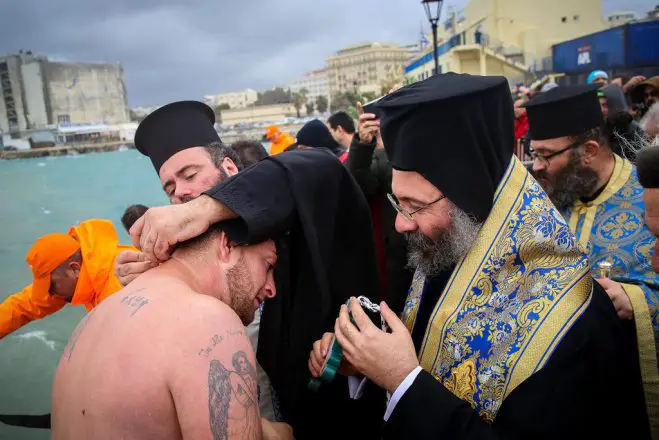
[[221, 177], [241, 291], [431, 256], [569, 184]]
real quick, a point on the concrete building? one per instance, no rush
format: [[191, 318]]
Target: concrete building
[[37, 92], [507, 37], [365, 67], [258, 113], [315, 82], [238, 99]]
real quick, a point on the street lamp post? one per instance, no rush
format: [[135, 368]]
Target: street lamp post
[[433, 19]]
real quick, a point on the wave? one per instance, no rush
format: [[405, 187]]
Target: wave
[[39, 335]]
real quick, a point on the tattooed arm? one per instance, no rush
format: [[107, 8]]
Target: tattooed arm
[[213, 379]]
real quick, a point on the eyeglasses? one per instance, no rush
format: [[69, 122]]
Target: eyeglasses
[[544, 160], [652, 93], [404, 212]]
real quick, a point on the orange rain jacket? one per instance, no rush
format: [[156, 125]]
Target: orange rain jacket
[[281, 143], [99, 246]]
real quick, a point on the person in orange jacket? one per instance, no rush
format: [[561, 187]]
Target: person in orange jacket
[[75, 268], [279, 140]]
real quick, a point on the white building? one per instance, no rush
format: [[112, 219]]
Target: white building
[[316, 84], [619, 18], [238, 99]]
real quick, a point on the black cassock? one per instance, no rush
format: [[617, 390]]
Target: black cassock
[[567, 399], [321, 221], [326, 255]]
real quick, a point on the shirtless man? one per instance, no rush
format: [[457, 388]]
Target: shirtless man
[[168, 357]]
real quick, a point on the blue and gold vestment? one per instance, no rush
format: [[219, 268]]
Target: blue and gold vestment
[[509, 302]]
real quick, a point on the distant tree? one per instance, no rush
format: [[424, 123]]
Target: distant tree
[[298, 101], [310, 108], [388, 84], [274, 96], [321, 104], [368, 96], [342, 101], [224, 106]]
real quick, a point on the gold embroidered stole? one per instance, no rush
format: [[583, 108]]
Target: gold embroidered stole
[[509, 302]]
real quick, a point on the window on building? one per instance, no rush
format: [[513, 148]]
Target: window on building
[[564, 19], [63, 119]]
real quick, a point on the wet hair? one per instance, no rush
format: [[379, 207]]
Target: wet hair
[[202, 239], [132, 214], [342, 119], [218, 152], [249, 152]]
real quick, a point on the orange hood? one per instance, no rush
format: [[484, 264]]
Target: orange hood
[[99, 245], [281, 143]]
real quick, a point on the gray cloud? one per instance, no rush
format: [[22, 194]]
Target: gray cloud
[[174, 50]]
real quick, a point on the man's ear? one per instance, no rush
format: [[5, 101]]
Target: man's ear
[[223, 246], [229, 166], [591, 150], [74, 268]]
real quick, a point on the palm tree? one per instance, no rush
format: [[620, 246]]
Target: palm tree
[[298, 101]]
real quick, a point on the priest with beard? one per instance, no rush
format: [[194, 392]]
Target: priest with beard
[[310, 204], [504, 334], [599, 195]]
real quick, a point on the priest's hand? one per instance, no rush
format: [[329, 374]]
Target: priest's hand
[[385, 358], [618, 296], [158, 231], [319, 354], [130, 265]]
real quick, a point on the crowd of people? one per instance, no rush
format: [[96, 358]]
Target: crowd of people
[[626, 103], [515, 300]]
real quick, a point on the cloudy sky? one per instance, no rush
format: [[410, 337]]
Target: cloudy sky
[[174, 49]]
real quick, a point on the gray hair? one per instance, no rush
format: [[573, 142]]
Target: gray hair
[[431, 256]]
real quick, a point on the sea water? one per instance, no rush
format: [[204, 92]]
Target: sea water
[[38, 197]]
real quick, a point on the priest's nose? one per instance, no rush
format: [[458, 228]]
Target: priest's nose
[[539, 165], [403, 224]]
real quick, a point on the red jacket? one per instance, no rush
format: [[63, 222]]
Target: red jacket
[[521, 126]]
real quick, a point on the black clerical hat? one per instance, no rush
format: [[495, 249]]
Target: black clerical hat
[[173, 128], [564, 111], [456, 131], [647, 163]]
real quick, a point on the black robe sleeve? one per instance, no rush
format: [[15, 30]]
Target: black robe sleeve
[[590, 388], [310, 203], [359, 163], [262, 197]]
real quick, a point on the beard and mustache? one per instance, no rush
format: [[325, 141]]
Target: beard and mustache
[[433, 255], [221, 177], [569, 184], [241, 291]]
